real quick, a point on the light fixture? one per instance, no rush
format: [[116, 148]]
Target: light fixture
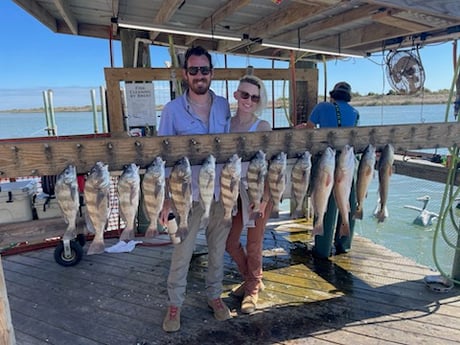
[[308, 50], [170, 30]]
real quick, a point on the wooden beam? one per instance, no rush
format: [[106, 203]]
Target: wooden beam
[[389, 18], [165, 13], [223, 12], [66, 12], [441, 8], [49, 156], [38, 12], [114, 76]]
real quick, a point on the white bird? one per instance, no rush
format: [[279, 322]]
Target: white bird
[[425, 218]]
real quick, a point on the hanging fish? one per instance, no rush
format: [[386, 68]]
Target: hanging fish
[[180, 186], [206, 182], [257, 172], [365, 175], [300, 181], [385, 169], [343, 180], [153, 189], [322, 188], [128, 198], [229, 186], [68, 198], [96, 193], [277, 181]]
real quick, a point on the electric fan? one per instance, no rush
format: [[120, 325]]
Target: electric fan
[[405, 72]]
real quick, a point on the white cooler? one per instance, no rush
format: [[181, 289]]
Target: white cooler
[[16, 201]]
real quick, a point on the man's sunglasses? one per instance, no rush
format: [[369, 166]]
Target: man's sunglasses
[[205, 70], [245, 95]]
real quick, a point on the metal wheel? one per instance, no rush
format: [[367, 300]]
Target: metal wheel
[[70, 257]]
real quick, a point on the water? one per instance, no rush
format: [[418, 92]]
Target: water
[[397, 232]]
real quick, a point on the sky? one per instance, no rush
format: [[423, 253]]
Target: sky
[[34, 59]]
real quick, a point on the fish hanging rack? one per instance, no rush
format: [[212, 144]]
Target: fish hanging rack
[[49, 156]]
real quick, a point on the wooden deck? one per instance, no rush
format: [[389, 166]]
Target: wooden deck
[[368, 296]]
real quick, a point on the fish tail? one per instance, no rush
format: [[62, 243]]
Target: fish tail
[[344, 230], [96, 247], [382, 214], [358, 213], [318, 229], [275, 213], [298, 214]]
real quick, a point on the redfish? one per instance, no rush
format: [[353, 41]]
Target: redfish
[[385, 169], [322, 188], [365, 175], [343, 180]]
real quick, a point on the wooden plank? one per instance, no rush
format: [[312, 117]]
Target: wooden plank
[[7, 335], [51, 156]]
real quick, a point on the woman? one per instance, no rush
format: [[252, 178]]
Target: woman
[[252, 99]]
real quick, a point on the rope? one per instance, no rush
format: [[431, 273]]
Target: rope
[[449, 198]]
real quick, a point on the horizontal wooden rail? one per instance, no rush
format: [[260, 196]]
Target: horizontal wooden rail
[[49, 156]]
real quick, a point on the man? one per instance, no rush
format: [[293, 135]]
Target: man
[[336, 113], [198, 111]]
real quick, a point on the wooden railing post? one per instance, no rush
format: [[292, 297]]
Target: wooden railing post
[[6, 326]]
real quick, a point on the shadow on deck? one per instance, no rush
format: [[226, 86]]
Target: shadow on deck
[[368, 296]]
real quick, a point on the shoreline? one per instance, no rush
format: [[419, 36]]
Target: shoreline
[[357, 101]]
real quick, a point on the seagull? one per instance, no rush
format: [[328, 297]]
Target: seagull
[[425, 218]]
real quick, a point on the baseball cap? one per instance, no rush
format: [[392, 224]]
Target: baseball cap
[[342, 87]]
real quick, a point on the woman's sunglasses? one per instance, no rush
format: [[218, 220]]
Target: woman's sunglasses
[[245, 95], [205, 70]]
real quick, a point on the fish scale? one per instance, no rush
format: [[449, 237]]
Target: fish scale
[[153, 188]]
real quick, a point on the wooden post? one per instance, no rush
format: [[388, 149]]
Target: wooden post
[[6, 326]]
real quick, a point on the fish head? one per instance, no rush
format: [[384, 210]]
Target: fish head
[[210, 160], [130, 172], [68, 175], [182, 168], [99, 173], [234, 164], [157, 166], [306, 158]]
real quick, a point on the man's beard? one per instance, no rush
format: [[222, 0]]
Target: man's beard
[[201, 89]]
